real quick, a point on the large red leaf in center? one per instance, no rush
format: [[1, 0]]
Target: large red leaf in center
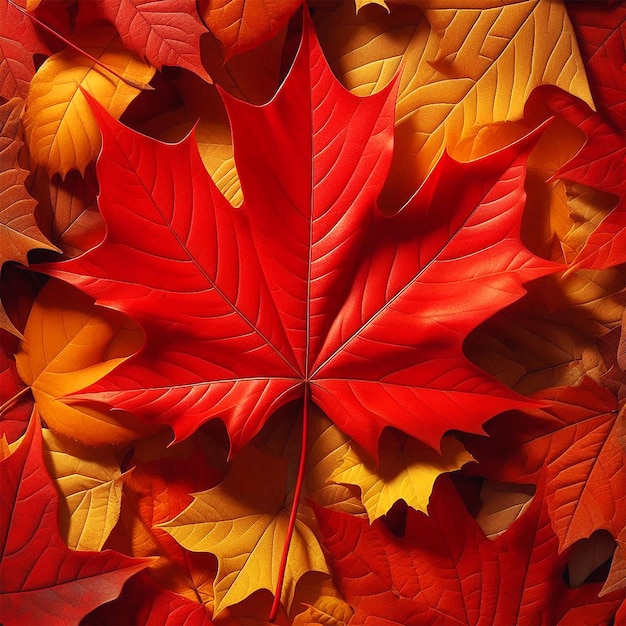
[[307, 285]]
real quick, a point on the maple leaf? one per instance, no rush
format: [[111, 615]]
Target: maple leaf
[[465, 66], [69, 343], [89, 483], [407, 470], [578, 439], [506, 581], [163, 33], [18, 228], [43, 581], [285, 304], [61, 133]]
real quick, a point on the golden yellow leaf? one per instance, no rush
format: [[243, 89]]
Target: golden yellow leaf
[[464, 67], [243, 521], [68, 344], [407, 471], [89, 482], [502, 504], [61, 132]]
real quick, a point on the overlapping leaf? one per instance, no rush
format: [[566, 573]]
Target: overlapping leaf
[[579, 441], [466, 65], [19, 231], [163, 33], [244, 24], [43, 581], [61, 132], [67, 344], [90, 487], [400, 581]]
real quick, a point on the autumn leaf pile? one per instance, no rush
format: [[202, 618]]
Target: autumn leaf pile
[[312, 312]]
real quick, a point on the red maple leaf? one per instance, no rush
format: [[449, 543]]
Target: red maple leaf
[[307, 290], [445, 571], [42, 581], [578, 440]]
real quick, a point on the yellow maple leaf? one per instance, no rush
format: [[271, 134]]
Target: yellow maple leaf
[[407, 471], [243, 521], [89, 482], [465, 65], [68, 344], [61, 131]]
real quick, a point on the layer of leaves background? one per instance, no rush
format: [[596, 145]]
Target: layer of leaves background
[[112, 526]]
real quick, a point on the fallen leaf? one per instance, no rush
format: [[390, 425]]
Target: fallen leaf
[[19, 41], [502, 504], [242, 25], [464, 66], [15, 406], [163, 33], [578, 439], [616, 579], [143, 601], [18, 228], [601, 32], [587, 555], [317, 315], [154, 492], [44, 582], [550, 337], [89, 483], [243, 521], [68, 343], [446, 571], [67, 209], [325, 608], [406, 469], [61, 132]]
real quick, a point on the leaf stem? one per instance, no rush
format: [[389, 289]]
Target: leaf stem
[[294, 506], [129, 81], [11, 401]]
